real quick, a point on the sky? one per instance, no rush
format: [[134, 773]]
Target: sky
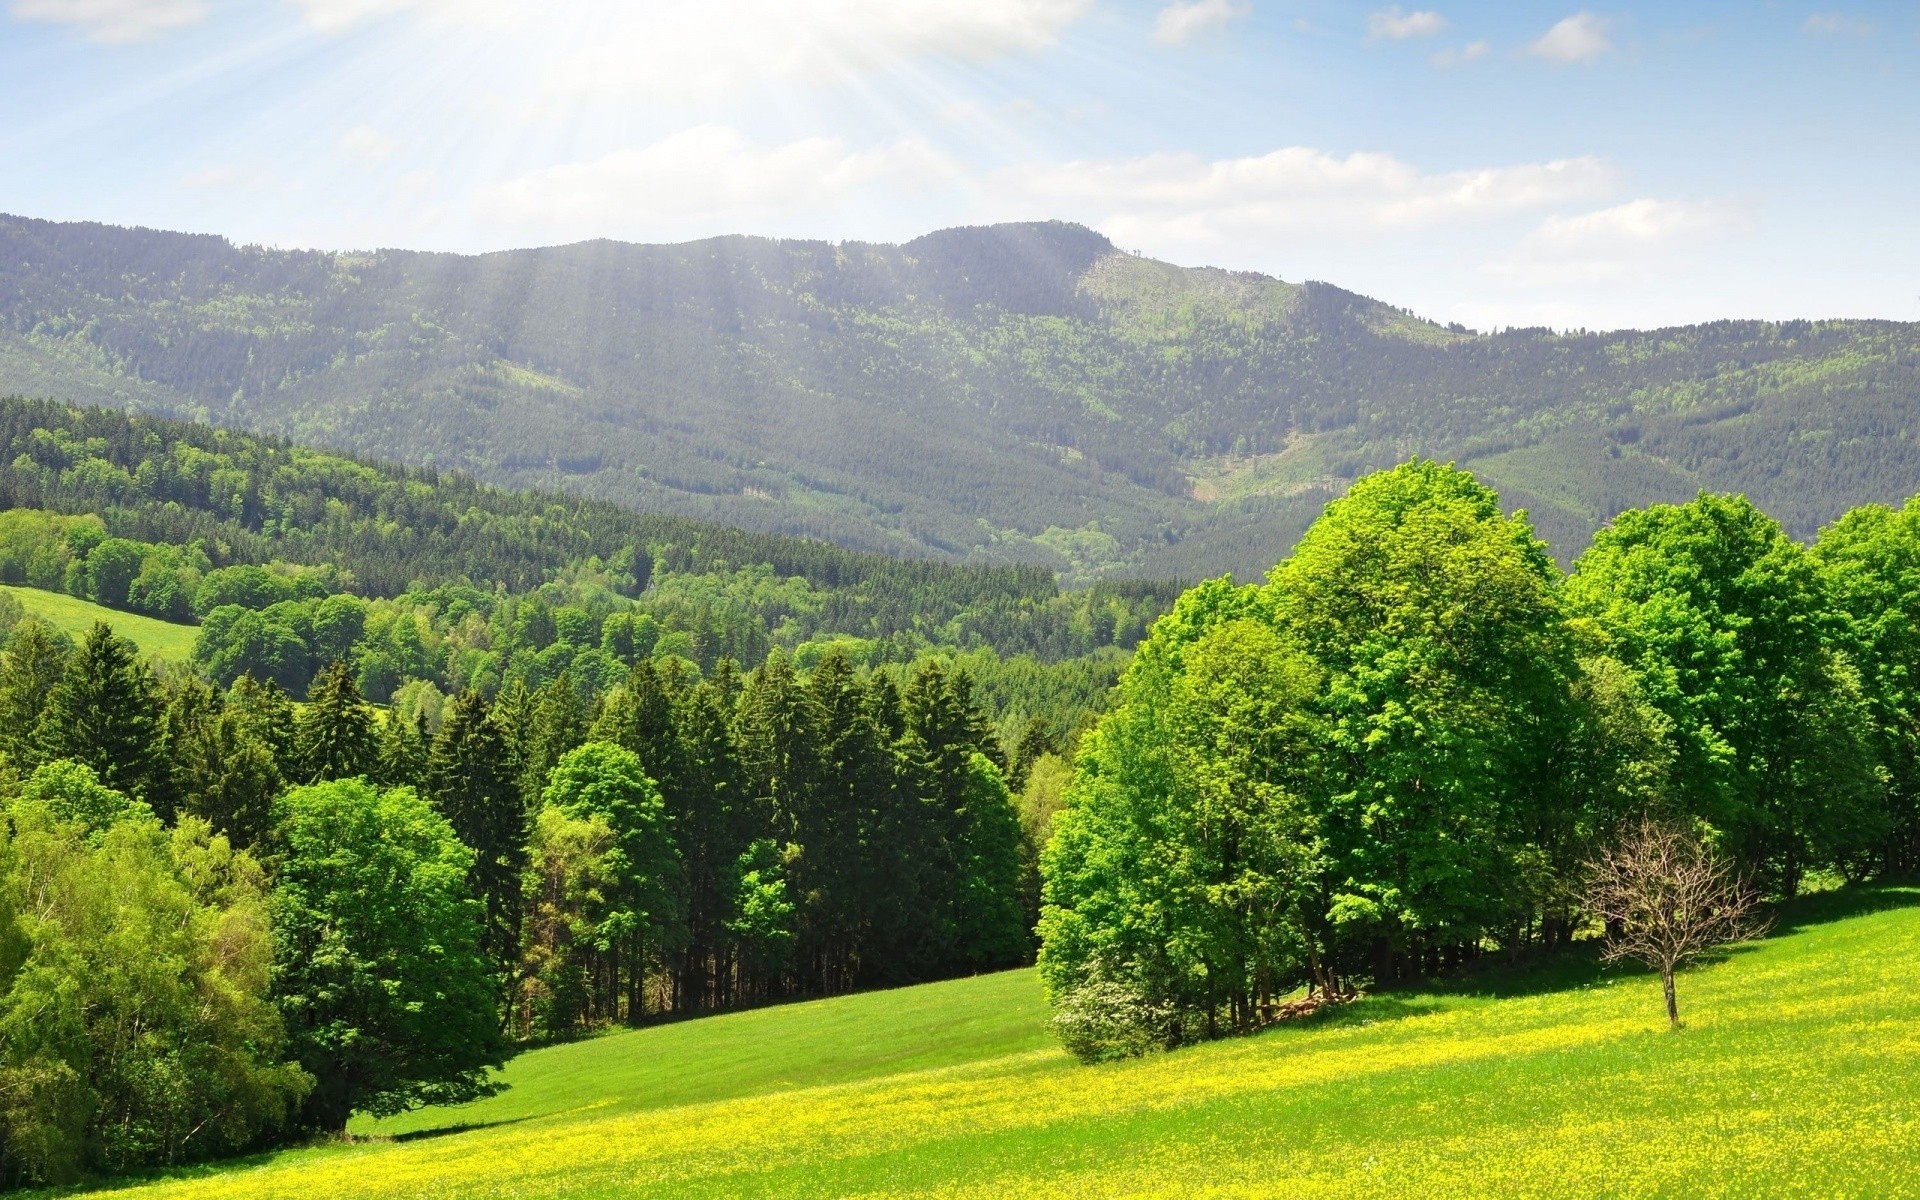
[[1620, 165]]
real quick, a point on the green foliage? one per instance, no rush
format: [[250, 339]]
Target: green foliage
[[1727, 624], [1400, 751], [72, 793], [135, 1027], [334, 737], [104, 712], [1870, 563], [472, 779], [1435, 619], [389, 1002]]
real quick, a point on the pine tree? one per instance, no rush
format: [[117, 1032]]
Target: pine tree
[[714, 823], [554, 722], [266, 713], [333, 735], [472, 779], [404, 747], [835, 871], [104, 713], [35, 660], [229, 776], [1036, 741]]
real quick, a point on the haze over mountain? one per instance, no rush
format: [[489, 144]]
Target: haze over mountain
[[1015, 392]]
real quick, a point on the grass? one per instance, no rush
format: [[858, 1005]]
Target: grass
[[160, 639], [1795, 1077]]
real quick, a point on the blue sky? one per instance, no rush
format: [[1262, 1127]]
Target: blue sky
[[1496, 164]]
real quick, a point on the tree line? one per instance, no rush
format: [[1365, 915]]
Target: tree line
[[365, 912], [1398, 753], [177, 504]]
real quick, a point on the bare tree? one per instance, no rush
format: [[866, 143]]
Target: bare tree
[[1667, 898]]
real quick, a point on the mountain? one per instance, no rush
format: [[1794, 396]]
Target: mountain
[[1020, 393]]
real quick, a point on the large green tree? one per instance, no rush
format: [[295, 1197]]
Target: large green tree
[[1435, 618], [603, 781], [1182, 874], [1870, 560], [1727, 625], [389, 1000], [135, 1024]]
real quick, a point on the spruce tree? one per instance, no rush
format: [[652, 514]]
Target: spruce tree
[[104, 713], [714, 822], [849, 803], [334, 736], [404, 746], [555, 722], [230, 777], [472, 779], [266, 712], [1036, 741], [35, 660]]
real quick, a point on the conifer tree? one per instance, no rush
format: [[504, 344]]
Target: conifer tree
[[472, 779], [334, 735], [35, 660], [104, 713], [1036, 741], [714, 823], [835, 872], [266, 713], [230, 777], [554, 721], [404, 747]]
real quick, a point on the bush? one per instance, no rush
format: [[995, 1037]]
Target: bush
[[1104, 1019]]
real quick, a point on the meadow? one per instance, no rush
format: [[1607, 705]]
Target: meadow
[[74, 616], [1793, 1077]]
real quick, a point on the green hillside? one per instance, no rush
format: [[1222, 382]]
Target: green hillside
[[1795, 1076], [74, 616], [1014, 393]]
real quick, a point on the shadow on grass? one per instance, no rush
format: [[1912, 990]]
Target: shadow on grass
[[226, 1166], [421, 1135], [1579, 965]]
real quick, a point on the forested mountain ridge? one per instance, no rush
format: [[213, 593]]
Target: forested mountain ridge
[[1014, 393]]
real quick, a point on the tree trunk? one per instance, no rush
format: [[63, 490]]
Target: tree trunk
[[1673, 1007]]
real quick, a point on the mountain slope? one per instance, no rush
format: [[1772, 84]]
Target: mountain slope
[[1018, 392], [1793, 1077]]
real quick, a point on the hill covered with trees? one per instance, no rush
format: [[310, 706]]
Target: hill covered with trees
[[1016, 393]]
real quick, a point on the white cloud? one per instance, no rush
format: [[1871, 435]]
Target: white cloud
[[1833, 23], [1613, 243], [1187, 200], [1394, 25], [1460, 56], [1580, 38], [368, 145], [113, 21], [1184, 20], [709, 175]]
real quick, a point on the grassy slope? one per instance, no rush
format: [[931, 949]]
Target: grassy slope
[[1795, 1077], [75, 616]]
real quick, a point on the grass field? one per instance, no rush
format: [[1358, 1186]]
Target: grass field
[[1795, 1077], [161, 639]]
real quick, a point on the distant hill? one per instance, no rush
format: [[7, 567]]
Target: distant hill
[[1014, 393]]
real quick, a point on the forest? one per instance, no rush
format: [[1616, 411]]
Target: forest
[[1413, 746], [1019, 393], [401, 816]]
